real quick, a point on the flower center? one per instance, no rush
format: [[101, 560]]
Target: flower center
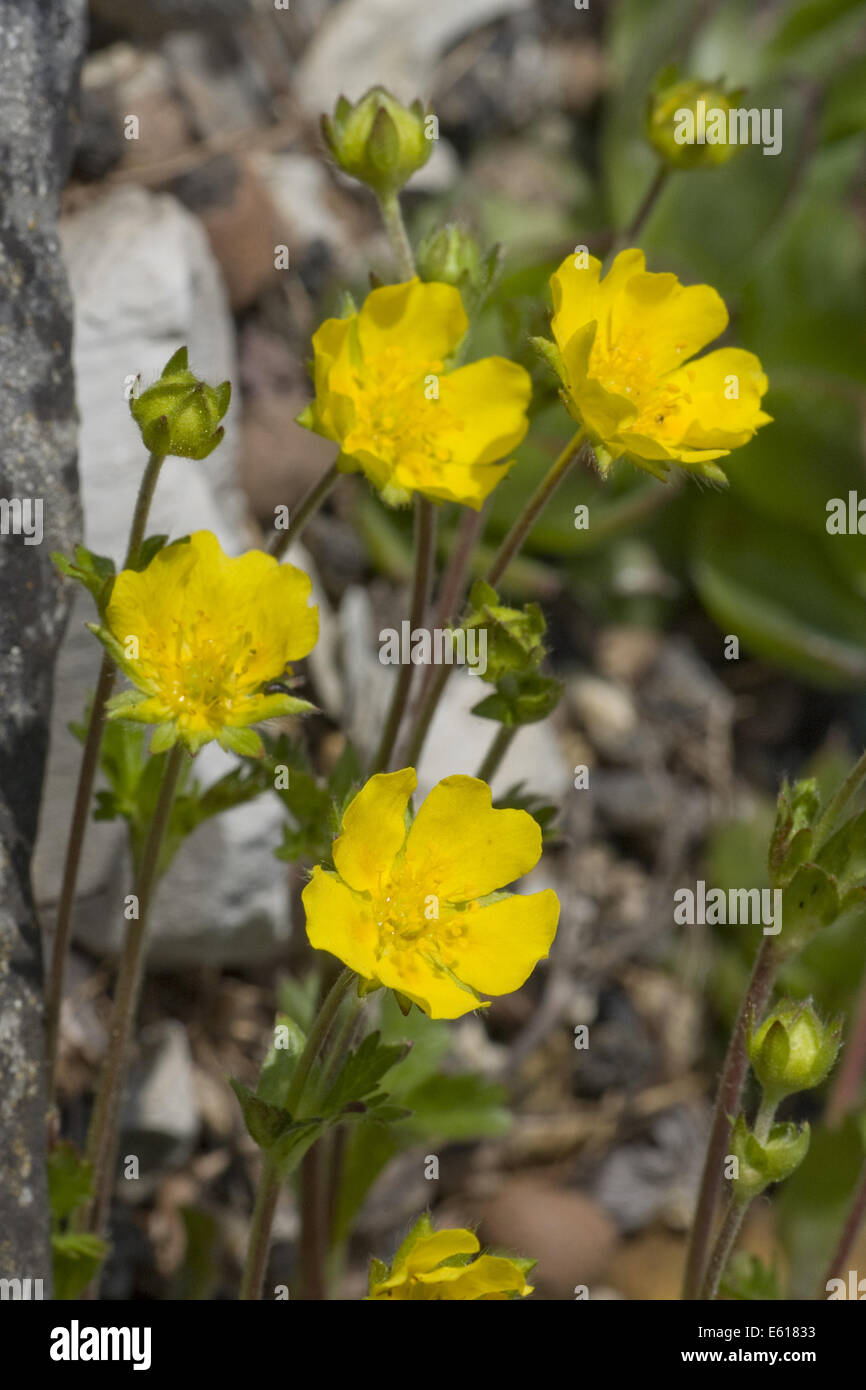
[[625, 366], [398, 410], [200, 675], [411, 917]]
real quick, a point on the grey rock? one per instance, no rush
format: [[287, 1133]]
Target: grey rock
[[40, 55], [160, 1121], [161, 16], [657, 1176]]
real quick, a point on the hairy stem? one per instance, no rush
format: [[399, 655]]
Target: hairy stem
[[102, 1138], [253, 1277], [306, 508], [576, 448], [727, 1239], [84, 793], [499, 746], [392, 217], [727, 1104], [425, 541]]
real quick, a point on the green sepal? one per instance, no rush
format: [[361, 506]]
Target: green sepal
[[551, 354], [244, 741], [95, 572], [521, 699]]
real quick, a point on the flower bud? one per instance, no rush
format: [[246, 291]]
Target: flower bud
[[378, 140], [451, 256], [791, 843], [180, 414], [687, 122], [793, 1050], [521, 697], [514, 635], [760, 1164]]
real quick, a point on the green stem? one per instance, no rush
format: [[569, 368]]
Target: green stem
[[317, 1172], [142, 508], [727, 1104], [425, 543], [306, 509], [102, 1138], [728, 1234], [629, 234], [84, 793], [392, 217], [496, 752], [253, 1277], [577, 447]]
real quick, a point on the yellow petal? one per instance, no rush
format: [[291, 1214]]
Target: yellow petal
[[340, 922], [415, 976], [667, 321], [374, 829], [505, 940], [330, 342], [468, 485], [604, 412], [487, 1277], [487, 402], [424, 320], [462, 848], [430, 1251], [716, 419]]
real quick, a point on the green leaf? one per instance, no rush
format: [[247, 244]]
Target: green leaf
[[457, 1106], [291, 1146], [361, 1072], [520, 698], [197, 1278], [94, 572], [844, 854], [278, 1067], [149, 547], [774, 589], [69, 1180], [77, 1256], [266, 1123]]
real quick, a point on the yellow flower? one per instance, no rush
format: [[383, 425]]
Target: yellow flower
[[386, 395], [416, 910], [625, 342], [439, 1265], [200, 634]]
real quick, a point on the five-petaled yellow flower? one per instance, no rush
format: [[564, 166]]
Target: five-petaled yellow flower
[[200, 635], [442, 1265], [416, 909], [386, 394], [625, 344]]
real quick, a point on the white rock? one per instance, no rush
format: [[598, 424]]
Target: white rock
[[160, 1121], [392, 43], [458, 740], [145, 282]]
